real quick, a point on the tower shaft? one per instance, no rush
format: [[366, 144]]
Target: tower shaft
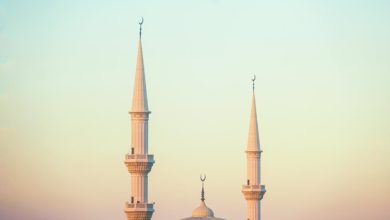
[[253, 209], [253, 167], [139, 133]]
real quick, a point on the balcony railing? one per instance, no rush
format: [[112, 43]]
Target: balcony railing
[[148, 157], [139, 205], [254, 187]]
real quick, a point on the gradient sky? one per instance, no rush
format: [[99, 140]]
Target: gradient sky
[[323, 98]]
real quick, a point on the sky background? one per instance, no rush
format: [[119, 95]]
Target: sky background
[[323, 101]]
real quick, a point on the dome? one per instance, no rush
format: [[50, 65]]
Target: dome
[[202, 211]]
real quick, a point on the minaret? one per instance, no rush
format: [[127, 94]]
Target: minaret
[[139, 162], [253, 190]]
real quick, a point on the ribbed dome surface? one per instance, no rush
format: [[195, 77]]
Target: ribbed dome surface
[[202, 211]]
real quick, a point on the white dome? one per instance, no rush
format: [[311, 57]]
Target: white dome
[[202, 211]]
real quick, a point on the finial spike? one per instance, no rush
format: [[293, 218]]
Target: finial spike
[[253, 82], [140, 26], [202, 178]]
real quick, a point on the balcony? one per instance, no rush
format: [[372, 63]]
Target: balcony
[[139, 211], [139, 206]]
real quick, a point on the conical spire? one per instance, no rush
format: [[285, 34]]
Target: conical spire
[[140, 98], [253, 137]]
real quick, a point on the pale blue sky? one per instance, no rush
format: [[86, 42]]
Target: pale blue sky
[[323, 76]]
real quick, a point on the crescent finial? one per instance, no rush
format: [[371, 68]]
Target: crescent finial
[[140, 26], [202, 177], [253, 82]]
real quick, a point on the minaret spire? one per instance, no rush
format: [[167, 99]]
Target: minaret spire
[[253, 137], [139, 163], [140, 96], [253, 190]]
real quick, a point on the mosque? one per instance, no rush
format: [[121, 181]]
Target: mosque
[[139, 162]]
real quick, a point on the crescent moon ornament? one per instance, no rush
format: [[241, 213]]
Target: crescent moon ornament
[[140, 26], [202, 177]]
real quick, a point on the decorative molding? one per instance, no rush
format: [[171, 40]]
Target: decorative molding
[[138, 215], [253, 195], [140, 115], [139, 167], [253, 154], [253, 192]]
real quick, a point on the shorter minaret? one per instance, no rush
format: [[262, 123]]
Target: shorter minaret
[[253, 190]]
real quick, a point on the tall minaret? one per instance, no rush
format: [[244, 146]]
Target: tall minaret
[[139, 162], [253, 190]]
